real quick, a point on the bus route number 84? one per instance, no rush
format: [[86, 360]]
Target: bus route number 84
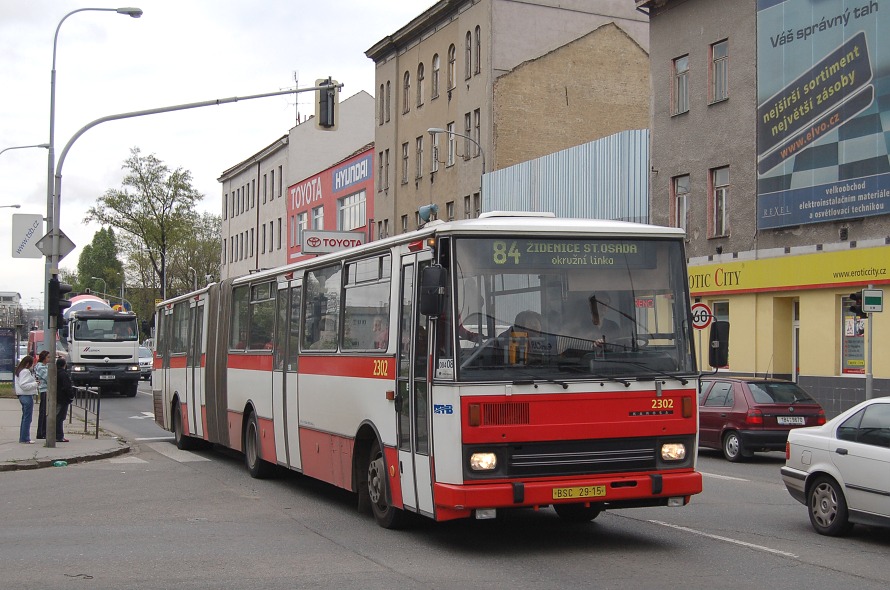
[[502, 252]]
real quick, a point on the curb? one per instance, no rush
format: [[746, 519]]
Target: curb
[[47, 462]]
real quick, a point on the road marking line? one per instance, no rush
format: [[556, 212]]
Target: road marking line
[[172, 452], [155, 438], [726, 539], [726, 477], [143, 416], [127, 460]]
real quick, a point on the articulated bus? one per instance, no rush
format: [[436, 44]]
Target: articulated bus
[[509, 361]]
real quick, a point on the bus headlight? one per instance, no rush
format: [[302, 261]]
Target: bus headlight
[[483, 461], [133, 368], [673, 451], [78, 369]]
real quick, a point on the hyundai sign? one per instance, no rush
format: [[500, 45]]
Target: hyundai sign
[[324, 242]]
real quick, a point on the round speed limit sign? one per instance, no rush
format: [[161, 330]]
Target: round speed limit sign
[[701, 316]]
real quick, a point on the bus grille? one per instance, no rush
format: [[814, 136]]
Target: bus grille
[[572, 457], [503, 414]]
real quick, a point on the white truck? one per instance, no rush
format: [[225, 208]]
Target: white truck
[[103, 349]]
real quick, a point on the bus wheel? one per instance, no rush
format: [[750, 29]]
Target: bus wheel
[[258, 468], [182, 441], [577, 512], [385, 514]]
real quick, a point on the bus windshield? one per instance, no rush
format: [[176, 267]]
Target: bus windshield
[[555, 309], [105, 329]]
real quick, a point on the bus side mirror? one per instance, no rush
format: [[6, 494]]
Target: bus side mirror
[[433, 281], [718, 353]]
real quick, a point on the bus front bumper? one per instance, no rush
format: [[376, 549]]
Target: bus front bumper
[[612, 492]]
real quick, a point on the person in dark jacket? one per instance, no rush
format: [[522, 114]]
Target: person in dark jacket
[[64, 396]]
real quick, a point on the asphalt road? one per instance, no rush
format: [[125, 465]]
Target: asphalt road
[[163, 518]]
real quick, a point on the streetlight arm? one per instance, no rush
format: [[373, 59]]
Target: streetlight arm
[[435, 130], [21, 147]]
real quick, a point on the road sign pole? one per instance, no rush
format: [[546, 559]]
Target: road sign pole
[[868, 377]]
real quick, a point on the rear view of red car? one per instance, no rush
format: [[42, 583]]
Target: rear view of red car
[[741, 416]]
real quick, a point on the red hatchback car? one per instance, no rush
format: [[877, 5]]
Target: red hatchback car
[[740, 416]]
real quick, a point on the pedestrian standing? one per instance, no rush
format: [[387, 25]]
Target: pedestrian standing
[[25, 389], [41, 371], [64, 396]]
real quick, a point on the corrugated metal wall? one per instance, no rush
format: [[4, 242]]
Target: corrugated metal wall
[[604, 179]]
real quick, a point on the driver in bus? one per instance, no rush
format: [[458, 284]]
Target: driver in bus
[[604, 329]]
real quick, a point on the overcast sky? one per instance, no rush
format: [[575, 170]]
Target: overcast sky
[[178, 52]]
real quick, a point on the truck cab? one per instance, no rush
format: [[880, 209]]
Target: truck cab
[[103, 349]]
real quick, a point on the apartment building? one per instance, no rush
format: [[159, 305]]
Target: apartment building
[[506, 81], [769, 146]]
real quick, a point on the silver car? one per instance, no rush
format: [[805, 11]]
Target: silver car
[[841, 470], [146, 362]]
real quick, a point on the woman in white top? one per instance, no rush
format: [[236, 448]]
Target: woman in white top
[[26, 389]]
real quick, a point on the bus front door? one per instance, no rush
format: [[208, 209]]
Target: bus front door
[[413, 406], [285, 408]]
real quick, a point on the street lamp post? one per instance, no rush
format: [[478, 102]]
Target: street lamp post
[[104, 284], [21, 147], [195, 280], [51, 219], [10, 206]]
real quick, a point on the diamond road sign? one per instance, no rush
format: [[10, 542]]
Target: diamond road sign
[[45, 245], [872, 300]]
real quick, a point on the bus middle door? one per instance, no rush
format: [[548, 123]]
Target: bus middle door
[[415, 465], [194, 371]]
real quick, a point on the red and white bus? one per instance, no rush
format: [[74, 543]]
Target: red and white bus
[[400, 371]]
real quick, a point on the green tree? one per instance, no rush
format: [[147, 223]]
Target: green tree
[[155, 205], [100, 259], [197, 257]]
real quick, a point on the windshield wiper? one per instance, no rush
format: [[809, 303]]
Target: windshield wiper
[[587, 371], [533, 378]]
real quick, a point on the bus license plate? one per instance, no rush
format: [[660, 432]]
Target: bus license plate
[[106, 377], [579, 492]]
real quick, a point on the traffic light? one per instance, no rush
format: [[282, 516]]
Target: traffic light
[[57, 302], [856, 308], [326, 105]]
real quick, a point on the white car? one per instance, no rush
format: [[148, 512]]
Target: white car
[[146, 362], [841, 470]]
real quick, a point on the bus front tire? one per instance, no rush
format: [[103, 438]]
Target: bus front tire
[[386, 515], [257, 468]]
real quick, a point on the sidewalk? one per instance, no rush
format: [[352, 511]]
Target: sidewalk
[[83, 447]]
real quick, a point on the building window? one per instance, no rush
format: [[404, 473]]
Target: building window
[[720, 71], [452, 74], [404, 223], [388, 97], [681, 85], [280, 182], [467, 207], [720, 198], [278, 240], [386, 169], [380, 171], [265, 188], [434, 153], [292, 231], [263, 249], [478, 65], [418, 157], [406, 93], [405, 163], [381, 103], [434, 84], [468, 127], [468, 58], [449, 210], [451, 145], [272, 179], [477, 205], [271, 235], [420, 84], [226, 206], [318, 218], [223, 250], [302, 225], [477, 132], [251, 242], [681, 204]]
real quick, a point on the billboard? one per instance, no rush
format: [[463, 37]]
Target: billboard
[[823, 96]]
